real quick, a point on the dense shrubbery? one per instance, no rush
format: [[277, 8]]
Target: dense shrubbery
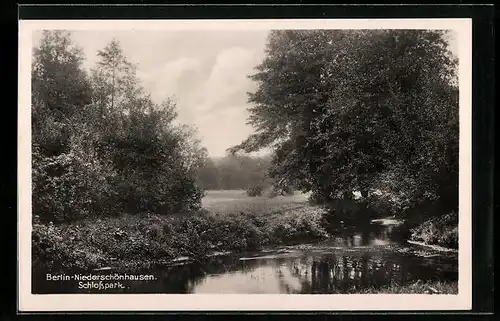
[[428, 287], [132, 240], [70, 186]]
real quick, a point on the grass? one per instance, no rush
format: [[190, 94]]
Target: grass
[[233, 201], [231, 222], [428, 287]]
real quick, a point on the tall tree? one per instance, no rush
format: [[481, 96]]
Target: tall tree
[[69, 178], [346, 109], [102, 146], [115, 81], [156, 159]]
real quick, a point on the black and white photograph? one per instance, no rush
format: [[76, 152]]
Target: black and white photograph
[[313, 162]]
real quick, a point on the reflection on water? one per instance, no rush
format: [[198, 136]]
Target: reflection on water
[[298, 272], [349, 263]]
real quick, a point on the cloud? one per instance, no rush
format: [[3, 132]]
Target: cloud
[[210, 91], [174, 78], [215, 97], [227, 85]]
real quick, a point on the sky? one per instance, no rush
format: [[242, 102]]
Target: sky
[[205, 72]]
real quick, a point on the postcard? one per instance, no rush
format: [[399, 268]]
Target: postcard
[[250, 165]]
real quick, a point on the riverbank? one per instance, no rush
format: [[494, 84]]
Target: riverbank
[[419, 287], [247, 235], [441, 231], [129, 242], [231, 222]]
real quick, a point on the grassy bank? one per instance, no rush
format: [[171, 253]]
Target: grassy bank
[[139, 241], [441, 231], [429, 287]]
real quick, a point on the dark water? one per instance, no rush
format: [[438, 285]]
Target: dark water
[[353, 261]]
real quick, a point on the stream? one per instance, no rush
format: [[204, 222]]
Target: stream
[[367, 257], [355, 260]]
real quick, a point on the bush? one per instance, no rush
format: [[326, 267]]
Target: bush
[[143, 240], [58, 250], [70, 186], [120, 242], [92, 160], [255, 190]]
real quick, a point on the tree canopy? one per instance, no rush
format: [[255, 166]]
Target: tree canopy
[[359, 110]]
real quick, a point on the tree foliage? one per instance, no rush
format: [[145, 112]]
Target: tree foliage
[[60, 90], [362, 110], [100, 144]]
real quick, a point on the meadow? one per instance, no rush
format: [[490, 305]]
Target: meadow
[[231, 201]]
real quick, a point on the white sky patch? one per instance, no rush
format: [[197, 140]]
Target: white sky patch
[[164, 82], [227, 80]]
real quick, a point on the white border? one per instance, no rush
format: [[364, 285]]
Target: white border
[[168, 302]]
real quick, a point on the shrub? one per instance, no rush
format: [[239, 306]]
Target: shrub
[[441, 230], [255, 190], [143, 240], [70, 186], [91, 160], [59, 250]]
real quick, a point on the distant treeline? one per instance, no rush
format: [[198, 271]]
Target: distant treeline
[[234, 172]]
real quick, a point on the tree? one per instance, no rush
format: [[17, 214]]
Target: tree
[[100, 145], [208, 175], [60, 91], [69, 181], [234, 172], [115, 82], [156, 160], [352, 110]]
